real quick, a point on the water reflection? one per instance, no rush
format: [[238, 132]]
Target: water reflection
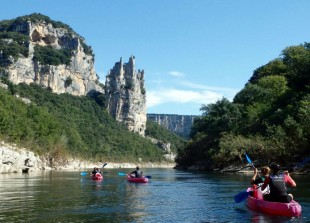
[[170, 196]]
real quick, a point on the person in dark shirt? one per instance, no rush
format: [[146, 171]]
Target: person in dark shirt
[[277, 183], [96, 170], [137, 173]]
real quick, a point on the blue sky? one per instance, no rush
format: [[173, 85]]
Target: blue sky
[[193, 52]]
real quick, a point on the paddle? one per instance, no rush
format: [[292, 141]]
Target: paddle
[[244, 194], [249, 160], [122, 174], [241, 196], [86, 173], [125, 174]]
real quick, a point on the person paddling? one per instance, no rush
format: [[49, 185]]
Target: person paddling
[[258, 182], [265, 173], [276, 182], [96, 170], [137, 173]]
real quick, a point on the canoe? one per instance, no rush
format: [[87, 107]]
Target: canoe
[[137, 180], [97, 176], [275, 208]]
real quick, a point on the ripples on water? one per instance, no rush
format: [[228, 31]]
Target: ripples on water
[[171, 196]]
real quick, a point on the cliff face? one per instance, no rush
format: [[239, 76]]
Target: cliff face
[[36, 49], [75, 76], [180, 124], [125, 95]]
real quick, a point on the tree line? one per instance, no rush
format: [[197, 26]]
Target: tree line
[[268, 119]]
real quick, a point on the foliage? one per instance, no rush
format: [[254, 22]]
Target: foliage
[[68, 81], [15, 42], [66, 124], [268, 118], [154, 130], [12, 44], [47, 55]]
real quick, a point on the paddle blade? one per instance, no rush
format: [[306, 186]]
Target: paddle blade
[[248, 158], [241, 196], [104, 165], [122, 174], [149, 177], [84, 173]]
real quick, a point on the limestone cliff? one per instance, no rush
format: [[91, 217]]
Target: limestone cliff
[[125, 95], [180, 124], [35, 49]]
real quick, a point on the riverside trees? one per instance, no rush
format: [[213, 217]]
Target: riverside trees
[[268, 118]]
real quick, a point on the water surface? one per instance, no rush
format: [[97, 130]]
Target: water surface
[[170, 196]]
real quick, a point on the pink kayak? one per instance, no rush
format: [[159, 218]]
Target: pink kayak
[[97, 176], [137, 180], [284, 209]]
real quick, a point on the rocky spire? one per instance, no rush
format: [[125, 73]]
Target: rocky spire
[[125, 95]]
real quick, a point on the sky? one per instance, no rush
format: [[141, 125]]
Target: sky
[[193, 52]]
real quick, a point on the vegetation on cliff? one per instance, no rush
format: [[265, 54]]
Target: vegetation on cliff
[[269, 118], [49, 55], [158, 132], [14, 41], [62, 125]]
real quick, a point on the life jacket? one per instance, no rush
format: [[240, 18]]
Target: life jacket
[[277, 185], [138, 173]]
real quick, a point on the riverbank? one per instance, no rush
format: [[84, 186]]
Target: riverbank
[[17, 160]]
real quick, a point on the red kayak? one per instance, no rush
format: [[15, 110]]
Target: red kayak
[[137, 179], [97, 176], [276, 208]]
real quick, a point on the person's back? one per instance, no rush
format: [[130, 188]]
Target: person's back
[[277, 185], [138, 173], [276, 182]]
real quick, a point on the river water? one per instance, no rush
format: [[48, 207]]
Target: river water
[[171, 196]]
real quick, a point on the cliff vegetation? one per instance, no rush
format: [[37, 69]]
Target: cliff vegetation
[[268, 119], [14, 42], [65, 125]]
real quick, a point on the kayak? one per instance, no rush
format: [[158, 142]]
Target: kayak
[[256, 202], [97, 176], [137, 180]]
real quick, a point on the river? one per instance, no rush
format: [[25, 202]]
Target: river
[[170, 196]]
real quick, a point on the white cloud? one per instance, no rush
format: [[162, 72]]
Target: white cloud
[[206, 87], [176, 73], [175, 96]]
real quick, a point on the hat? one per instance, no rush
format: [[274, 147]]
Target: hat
[[275, 167]]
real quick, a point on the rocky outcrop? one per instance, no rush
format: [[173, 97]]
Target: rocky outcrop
[[180, 124], [76, 76], [125, 95]]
